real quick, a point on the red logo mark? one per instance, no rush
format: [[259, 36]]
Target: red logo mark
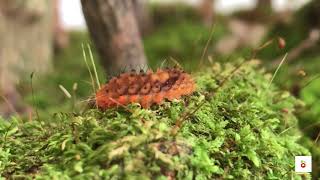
[[303, 164]]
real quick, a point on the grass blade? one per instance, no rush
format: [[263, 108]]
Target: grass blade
[[275, 73], [89, 69], [94, 66]]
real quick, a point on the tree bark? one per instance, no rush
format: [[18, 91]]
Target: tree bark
[[207, 11], [60, 35], [264, 4], [25, 47], [143, 16], [115, 33]]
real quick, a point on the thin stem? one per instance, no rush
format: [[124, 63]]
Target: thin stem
[[275, 73], [206, 47], [89, 69], [33, 99], [94, 66]]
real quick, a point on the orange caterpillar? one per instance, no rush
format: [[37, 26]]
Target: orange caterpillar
[[145, 88]]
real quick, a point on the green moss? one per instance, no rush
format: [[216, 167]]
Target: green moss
[[240, 131], [308, 115]]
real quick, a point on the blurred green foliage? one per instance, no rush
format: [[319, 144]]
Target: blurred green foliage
[[184, 42], [178, 12]]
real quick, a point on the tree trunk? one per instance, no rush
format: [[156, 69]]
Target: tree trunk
[[60, 35], [25, 47], [115, 33], [143, 18], [264, 5], [207, 11]]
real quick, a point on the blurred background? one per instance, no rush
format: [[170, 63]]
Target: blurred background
[[71, 16], [42, 67]]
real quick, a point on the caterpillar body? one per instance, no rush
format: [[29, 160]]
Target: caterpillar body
[[145, 88]]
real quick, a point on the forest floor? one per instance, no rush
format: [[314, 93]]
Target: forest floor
[[185, 43]]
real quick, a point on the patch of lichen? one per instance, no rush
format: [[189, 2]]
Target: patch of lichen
[[243, 129]]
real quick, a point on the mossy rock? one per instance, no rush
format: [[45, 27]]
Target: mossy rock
[[244, 128]]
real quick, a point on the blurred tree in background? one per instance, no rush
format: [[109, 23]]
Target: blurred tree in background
[[61, 38], [143, 16], [263, 5], [115, 32], [207, 11], [25, 46]]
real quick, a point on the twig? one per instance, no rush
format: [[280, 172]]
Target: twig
[[162, 63], [310, 81], [285, 130], [175, 62], [65, 91], [186, 114], [275, 73], [74, 94], [310, 126], [207, 45], [94, 66], [33, 99], [119, 104], [256, 50], [89, 69], [318, 136], [230, 75], [184, 117]]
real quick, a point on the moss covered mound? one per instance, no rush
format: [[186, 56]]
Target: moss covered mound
[[243, 129]]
